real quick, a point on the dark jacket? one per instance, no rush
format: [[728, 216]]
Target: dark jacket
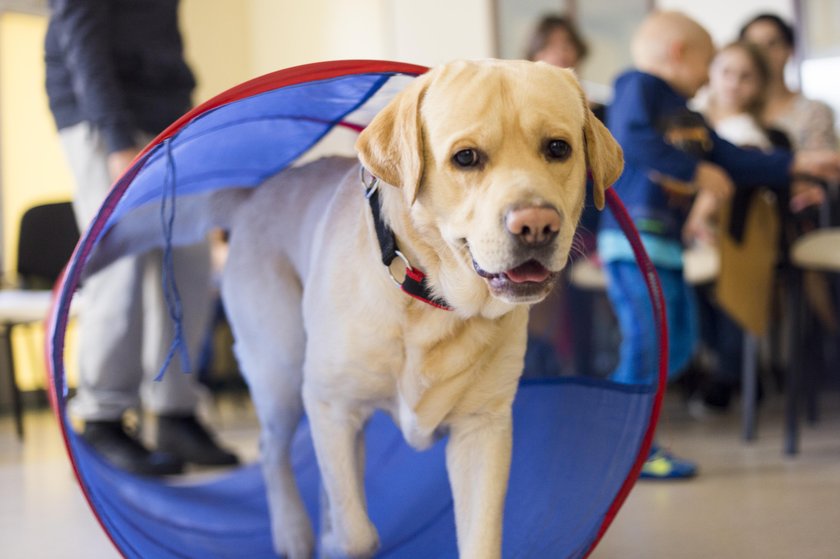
[[642, 112], [117, 64]]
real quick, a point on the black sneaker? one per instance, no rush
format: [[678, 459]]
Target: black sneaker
[[189, 440], [718, 395], [114, 444]]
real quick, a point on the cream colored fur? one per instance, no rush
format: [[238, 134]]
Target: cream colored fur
[[320, 326]]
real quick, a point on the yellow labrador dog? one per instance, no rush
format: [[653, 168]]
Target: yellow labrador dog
[[478, 171]]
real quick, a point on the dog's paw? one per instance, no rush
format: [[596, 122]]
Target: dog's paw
[[294, 541], [358, 543]]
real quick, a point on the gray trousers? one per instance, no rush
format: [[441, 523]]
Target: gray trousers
[[124, 327]]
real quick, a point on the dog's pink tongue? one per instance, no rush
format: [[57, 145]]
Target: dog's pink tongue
[[530, 271]]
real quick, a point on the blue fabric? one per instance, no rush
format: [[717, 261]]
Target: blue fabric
[[574, 442], [638, 360], [217, 149], [641, 106], [237, 145]]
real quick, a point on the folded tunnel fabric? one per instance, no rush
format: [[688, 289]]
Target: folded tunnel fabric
[[568, 465]]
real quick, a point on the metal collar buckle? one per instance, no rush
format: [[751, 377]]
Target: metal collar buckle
[[370, 186]]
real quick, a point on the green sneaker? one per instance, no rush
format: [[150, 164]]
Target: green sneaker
[[661, 464]]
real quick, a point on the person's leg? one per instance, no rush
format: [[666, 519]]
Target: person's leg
[[110, 368], [582, 311], [729, 345], [177, 392], [683, 321], [174, 398], [109, 325], [683, 335], [639, 354]]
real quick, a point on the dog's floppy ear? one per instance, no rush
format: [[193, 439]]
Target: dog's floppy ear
[[391, 147], [604, 158]]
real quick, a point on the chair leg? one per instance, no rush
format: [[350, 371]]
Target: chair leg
[[812, 370], [794, 366], [9, 366], [777, 336], [749, 384]]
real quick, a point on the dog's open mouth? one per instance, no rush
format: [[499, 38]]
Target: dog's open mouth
[[524, 282], [529, 272]]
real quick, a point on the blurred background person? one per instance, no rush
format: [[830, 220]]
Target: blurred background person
[[810, 126], [735, 96], [116, 77], [556, 40], [808, 123], [741, 296]]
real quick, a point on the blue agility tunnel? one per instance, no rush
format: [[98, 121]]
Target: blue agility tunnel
[[579, 443]]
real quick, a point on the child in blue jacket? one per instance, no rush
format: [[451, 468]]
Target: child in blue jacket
[[669, 156]]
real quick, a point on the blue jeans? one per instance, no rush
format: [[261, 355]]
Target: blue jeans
[[639, 354]]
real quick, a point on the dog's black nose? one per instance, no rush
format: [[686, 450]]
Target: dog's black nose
[[533, 226]]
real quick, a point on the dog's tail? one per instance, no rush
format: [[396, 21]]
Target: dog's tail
[[150, 227]]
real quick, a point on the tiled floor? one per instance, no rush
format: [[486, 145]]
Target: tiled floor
[[749, 501], [43, 514]]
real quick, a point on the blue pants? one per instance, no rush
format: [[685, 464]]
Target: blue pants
[[638, 358]]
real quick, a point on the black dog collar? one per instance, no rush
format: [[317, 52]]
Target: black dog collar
[[414, 283]]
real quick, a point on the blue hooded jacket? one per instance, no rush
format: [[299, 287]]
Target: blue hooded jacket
[[639, 118]]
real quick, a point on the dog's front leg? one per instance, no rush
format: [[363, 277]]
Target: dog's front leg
[[336, 433], [478, 461]]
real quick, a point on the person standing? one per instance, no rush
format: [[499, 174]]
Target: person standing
[[116, 77]]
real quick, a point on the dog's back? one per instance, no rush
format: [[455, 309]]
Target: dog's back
[[281, 218]]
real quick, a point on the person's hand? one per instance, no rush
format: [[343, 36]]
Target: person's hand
[[804, 194], [713, 179], [119, 161], [699, 225], [820, 164]]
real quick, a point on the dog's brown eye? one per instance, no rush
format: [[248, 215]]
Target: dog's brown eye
[[466, 158], [557, 149]]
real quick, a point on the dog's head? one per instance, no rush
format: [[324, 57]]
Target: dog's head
[[492, 160]]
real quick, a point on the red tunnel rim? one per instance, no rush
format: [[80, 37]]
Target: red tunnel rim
[[275, 80]]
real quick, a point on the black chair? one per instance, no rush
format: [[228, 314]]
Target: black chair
[[817, 251], [48, 236]]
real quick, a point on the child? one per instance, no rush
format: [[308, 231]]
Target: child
[[671, 53], [738, 78]]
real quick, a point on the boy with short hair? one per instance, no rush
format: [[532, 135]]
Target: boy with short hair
[[666, 163]]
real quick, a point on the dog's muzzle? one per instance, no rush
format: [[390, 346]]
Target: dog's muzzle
[[526, 283], [533, 230]]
